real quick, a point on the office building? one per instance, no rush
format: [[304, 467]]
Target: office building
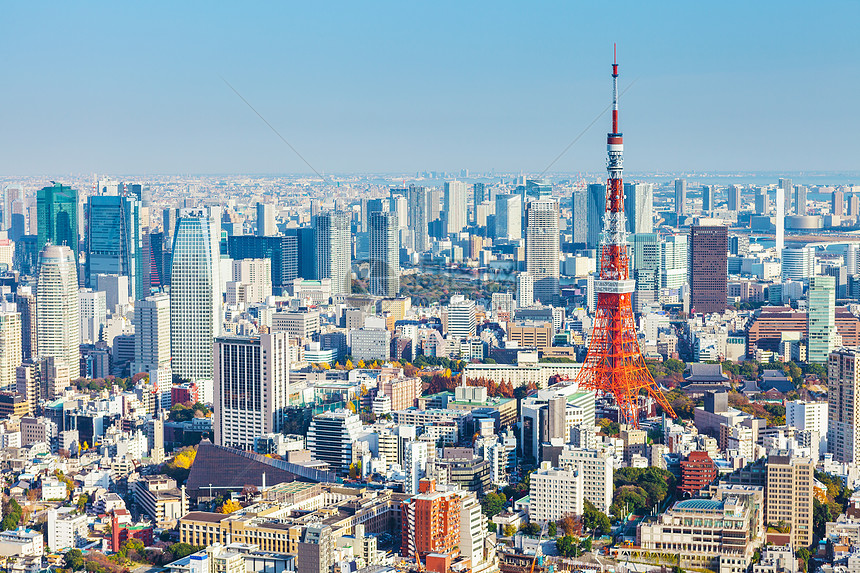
[[252, 281], [645, 268], [798, 264], [114, 241], [597, 468], [430, 522], [542, 248], [66, 529], [823, 337], [639, 207], [195, 293], [789, 495], [779, 221], [596, 209], [331, 436], [837, 203], [734, 198], [708, 273], [252, 389], [809, 416], [26, 305], [762, 206], [151, 334], [334, 250], [384, 254], [579, 216], [93, 315], [698, 471], [681, 196], [58, 306], [57, 223], [708, 198], [283, 252], [461, 318], [843, 415], [509, 216], [674, 259], [11, 354], [266, 220], [455, 207]]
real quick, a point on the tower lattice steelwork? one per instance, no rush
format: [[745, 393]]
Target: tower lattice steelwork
[[614, 363]]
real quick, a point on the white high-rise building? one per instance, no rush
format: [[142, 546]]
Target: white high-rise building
[[542, 248], [10, 344], [334, 250], [66, 530], [798, 264], [151, 334], [195, 292], [252, 388], [598, 469], [58, 306], [556, 493], [473, 531], [461, 318], [673, 262], [455, 207], [639, 207], [414, 465], [266, 220], [93, 314], [852, 258], [780, 220], [525, 290], [252, 281], [809, 416], [509, 217]]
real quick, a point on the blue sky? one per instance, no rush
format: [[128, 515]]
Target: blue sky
[[398, 86]]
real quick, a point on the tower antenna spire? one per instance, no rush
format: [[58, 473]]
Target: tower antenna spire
[[614, 364]]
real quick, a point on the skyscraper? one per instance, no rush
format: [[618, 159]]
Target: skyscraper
[[639, 207], [708, 268], [837, 203], [843, 387], [525, 290], [334, 250], [455, 207], [645, 267], [798, 264], [266, 220], [596, 208], [384, 254], [786, 187], [579, 216], [195, 292], [93, 314], [821, 319], [680, 196], [282, 251], [479, 195], [151, 334], [10, 345], [674, 259], [26, 304], [800, 199], [761, 201], [252, 389], [509, 216], [708, 202], [780, 221], [734, 199], [57, 213], [542, 248], [114, 243], [58, 306], [419, 217], [461, 318]]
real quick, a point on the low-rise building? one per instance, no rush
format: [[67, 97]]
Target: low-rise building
[[160, 499], [66, 529]]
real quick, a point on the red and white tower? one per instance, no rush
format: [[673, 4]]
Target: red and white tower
[[614, 363]]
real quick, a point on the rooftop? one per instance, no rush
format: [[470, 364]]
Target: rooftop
[[698, 504]]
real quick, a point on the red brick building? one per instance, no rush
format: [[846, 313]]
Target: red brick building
[[698, 471], [430, 522]]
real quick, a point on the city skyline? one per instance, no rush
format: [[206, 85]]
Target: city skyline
[[399, 88]]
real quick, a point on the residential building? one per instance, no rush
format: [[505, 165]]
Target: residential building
[[160, 499], [93, 315], [556, 493], [681, 196], [509, 215], [639, 207], [151, 334], [316, 550], [455, 207], [266, 220], [698, 471], [384, 254], [11, 355], [430, 522], [525, 290], [334, 250], [789, 496], [414, 465], [66, 530], [252, 281], [542, 248], [843, 376], [598, 470]]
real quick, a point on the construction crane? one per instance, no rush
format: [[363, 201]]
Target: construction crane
[[537, 550]]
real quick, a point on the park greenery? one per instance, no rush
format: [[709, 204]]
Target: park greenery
[[637, 490]]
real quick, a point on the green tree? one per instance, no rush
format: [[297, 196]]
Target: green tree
[[803, 554], [180, 550], [12, 514], [594, 520], [568, 546], [552, 529], [676, 366], [74, 559], [493, 503], [510, 531]]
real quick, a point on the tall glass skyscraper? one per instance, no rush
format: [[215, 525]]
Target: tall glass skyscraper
[[596, 209], [509, 217], [58, 306], [821, 321], [57, 217], [114, 244], [195, 292], [384, 254], [334, 250]]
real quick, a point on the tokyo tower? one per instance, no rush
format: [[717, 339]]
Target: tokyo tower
[[614, 363]]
